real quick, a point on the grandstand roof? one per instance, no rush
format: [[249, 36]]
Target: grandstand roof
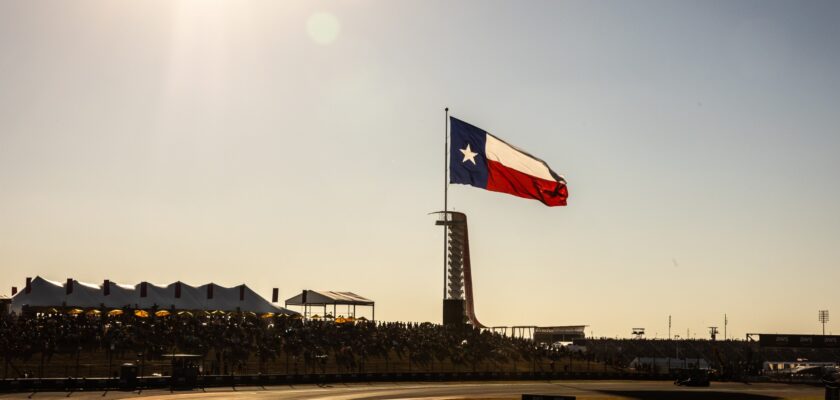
[[45, 293], [321, 297], [561, 329]]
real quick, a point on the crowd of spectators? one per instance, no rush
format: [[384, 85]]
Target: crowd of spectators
[[236, 343], [228, 343]]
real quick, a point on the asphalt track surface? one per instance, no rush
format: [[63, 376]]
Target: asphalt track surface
[[587, 390]]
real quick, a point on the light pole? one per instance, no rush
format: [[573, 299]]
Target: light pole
[[823, 317], [725, 323]]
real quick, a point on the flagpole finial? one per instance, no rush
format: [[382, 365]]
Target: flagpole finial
[[446, 109]]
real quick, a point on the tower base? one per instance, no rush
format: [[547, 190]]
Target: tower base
[[454, 312]]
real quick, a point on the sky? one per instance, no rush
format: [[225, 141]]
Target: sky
[[299, 145]]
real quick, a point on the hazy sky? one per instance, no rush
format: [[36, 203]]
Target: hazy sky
[[299, 145]]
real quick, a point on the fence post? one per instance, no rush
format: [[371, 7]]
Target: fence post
[[78, 355]]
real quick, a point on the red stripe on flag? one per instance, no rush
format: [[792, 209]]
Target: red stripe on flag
[[508, 180]]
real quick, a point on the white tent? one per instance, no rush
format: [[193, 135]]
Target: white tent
[[323, 298], [41, 292]]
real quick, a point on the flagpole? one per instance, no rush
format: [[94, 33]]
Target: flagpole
[[445, 193]]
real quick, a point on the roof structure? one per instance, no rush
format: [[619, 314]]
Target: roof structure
[[41, 292], [324, 297], [561, 329]]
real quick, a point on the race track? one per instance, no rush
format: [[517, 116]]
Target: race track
[[588, 390]]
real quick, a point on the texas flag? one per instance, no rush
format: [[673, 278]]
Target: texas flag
[[482, 160]]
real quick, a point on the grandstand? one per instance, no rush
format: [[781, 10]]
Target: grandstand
[[554, 334], [88, 344]]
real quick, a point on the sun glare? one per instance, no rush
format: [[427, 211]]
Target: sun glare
[[323, 28]]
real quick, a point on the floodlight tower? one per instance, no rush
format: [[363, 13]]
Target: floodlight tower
[[713, 331], [725, 323], [638, 333], [823, 317]]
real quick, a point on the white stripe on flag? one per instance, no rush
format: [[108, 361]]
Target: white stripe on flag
[[510, 157]]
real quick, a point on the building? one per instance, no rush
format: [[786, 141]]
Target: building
[[5, 305]]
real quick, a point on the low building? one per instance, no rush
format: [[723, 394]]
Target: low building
[[797, 366], [5, 305]]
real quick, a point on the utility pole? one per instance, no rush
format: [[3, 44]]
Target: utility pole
[[823, 317]]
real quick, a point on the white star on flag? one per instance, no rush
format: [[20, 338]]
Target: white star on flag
[[468, 154]]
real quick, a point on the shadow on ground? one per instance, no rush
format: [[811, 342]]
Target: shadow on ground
[[685, 395]]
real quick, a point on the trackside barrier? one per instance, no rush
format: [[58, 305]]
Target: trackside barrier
[[129, 382]]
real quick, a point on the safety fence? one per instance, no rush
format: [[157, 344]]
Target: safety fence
[[203, 381]]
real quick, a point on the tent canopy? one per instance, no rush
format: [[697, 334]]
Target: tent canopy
[[42, 293], [325, 297]]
